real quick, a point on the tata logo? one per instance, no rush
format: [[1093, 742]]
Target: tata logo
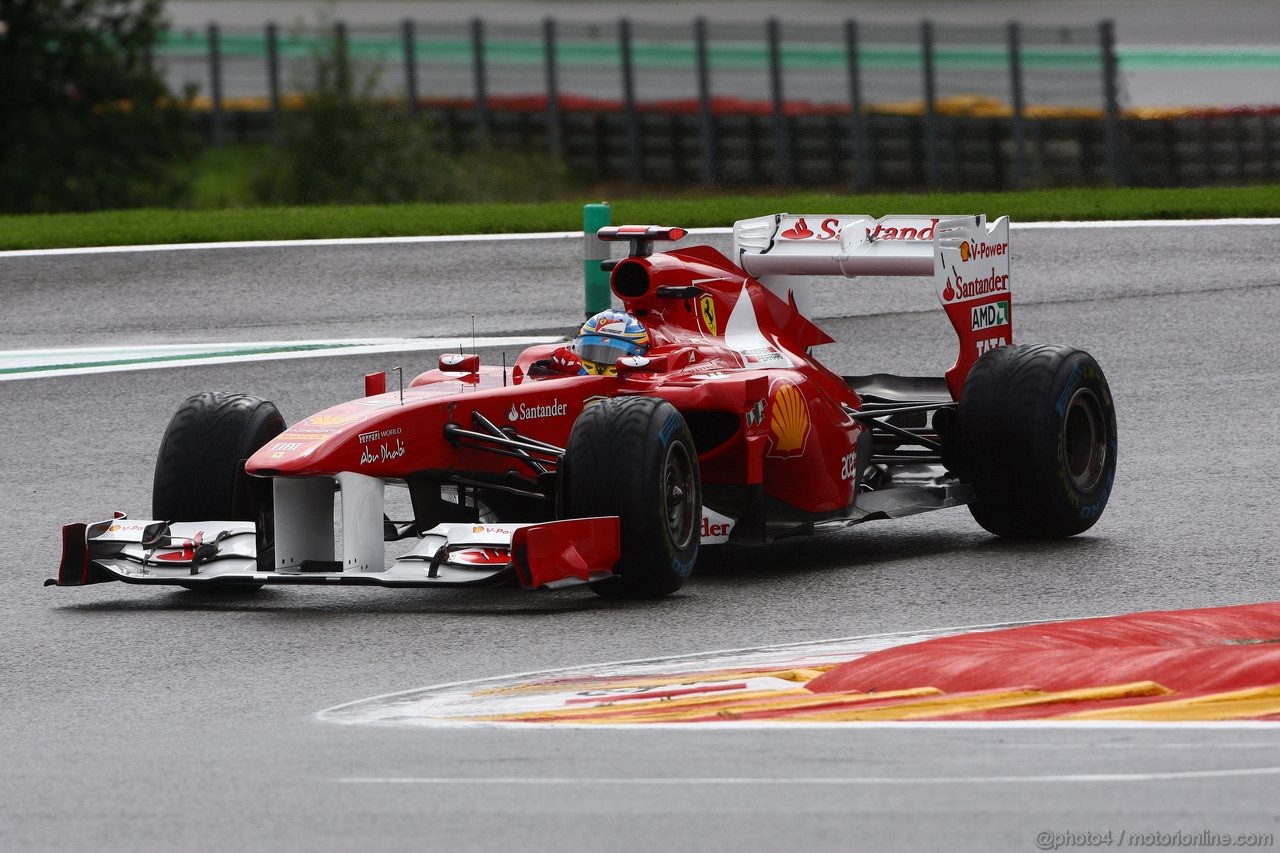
[[988, 316], [991, 343]]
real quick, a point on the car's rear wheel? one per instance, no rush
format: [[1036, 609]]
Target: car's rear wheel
[[1035, 433], [200, 467], [634, 457]]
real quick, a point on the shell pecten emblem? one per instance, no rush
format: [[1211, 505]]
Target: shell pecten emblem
[[789, 422], [333, 420]]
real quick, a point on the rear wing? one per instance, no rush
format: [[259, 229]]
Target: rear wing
[[967, 257]]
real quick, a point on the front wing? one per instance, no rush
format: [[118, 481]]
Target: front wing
[[199, 555]]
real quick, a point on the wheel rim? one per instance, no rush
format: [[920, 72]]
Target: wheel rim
[[679, 495], [1084, 438]]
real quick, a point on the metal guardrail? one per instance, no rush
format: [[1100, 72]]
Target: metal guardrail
[[851, 65]]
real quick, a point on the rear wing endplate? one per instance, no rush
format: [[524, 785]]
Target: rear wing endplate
[[967, 257]]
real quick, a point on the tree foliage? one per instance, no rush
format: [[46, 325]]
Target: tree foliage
[[85, 122], [345, 145]]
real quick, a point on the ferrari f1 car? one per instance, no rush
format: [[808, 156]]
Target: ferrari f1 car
[[726, 430]]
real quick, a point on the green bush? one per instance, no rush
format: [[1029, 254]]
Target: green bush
[[349, 147], [85, 123]]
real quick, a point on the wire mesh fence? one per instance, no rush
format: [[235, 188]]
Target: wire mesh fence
[[1061, 65], [714, 101]]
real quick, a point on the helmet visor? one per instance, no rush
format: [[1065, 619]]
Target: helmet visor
[[603, 349]]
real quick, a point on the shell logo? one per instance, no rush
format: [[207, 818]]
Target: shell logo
[[789, 422]]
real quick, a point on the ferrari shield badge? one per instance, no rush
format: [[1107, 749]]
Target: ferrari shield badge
[[707, 310]]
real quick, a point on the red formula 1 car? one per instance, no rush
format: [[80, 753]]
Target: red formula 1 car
[[724, 430]]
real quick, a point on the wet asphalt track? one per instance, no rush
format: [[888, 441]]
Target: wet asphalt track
[[143, 719]]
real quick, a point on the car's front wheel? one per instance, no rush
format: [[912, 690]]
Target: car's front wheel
[[634, 457], [199, 469]]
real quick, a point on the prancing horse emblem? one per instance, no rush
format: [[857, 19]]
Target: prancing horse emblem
[[707, 308]]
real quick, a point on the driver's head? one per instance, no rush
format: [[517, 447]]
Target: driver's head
[[607, 337]]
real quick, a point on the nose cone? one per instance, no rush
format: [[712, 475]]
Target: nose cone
[[312, 444]]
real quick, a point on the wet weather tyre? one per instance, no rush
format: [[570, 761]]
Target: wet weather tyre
[[1035, 433], [199, 468], [634, 457]]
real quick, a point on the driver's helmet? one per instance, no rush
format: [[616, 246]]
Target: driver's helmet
[[607, 337]]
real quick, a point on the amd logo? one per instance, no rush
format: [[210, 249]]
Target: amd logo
[[989, 316]]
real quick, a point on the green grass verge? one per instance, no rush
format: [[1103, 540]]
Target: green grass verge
[[225, 177], [131, 227]]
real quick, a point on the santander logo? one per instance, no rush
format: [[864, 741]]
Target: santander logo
[[799, 231], [828, 229], [903, 232]]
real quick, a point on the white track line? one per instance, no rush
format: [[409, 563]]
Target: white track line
[[279, 244], [566, 235], [45, 364], [665, 781]]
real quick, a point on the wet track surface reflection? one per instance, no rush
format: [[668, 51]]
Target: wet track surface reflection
[[136, 703]]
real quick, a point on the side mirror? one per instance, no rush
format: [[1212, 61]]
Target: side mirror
[[456, 362]]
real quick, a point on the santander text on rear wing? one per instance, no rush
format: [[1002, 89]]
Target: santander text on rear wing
[[967, 257]]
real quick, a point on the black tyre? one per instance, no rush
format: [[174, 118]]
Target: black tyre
[[634, 457], [198, 470], [1035, 432]]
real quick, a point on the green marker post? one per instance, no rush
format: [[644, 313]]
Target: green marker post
[[595, 250]]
